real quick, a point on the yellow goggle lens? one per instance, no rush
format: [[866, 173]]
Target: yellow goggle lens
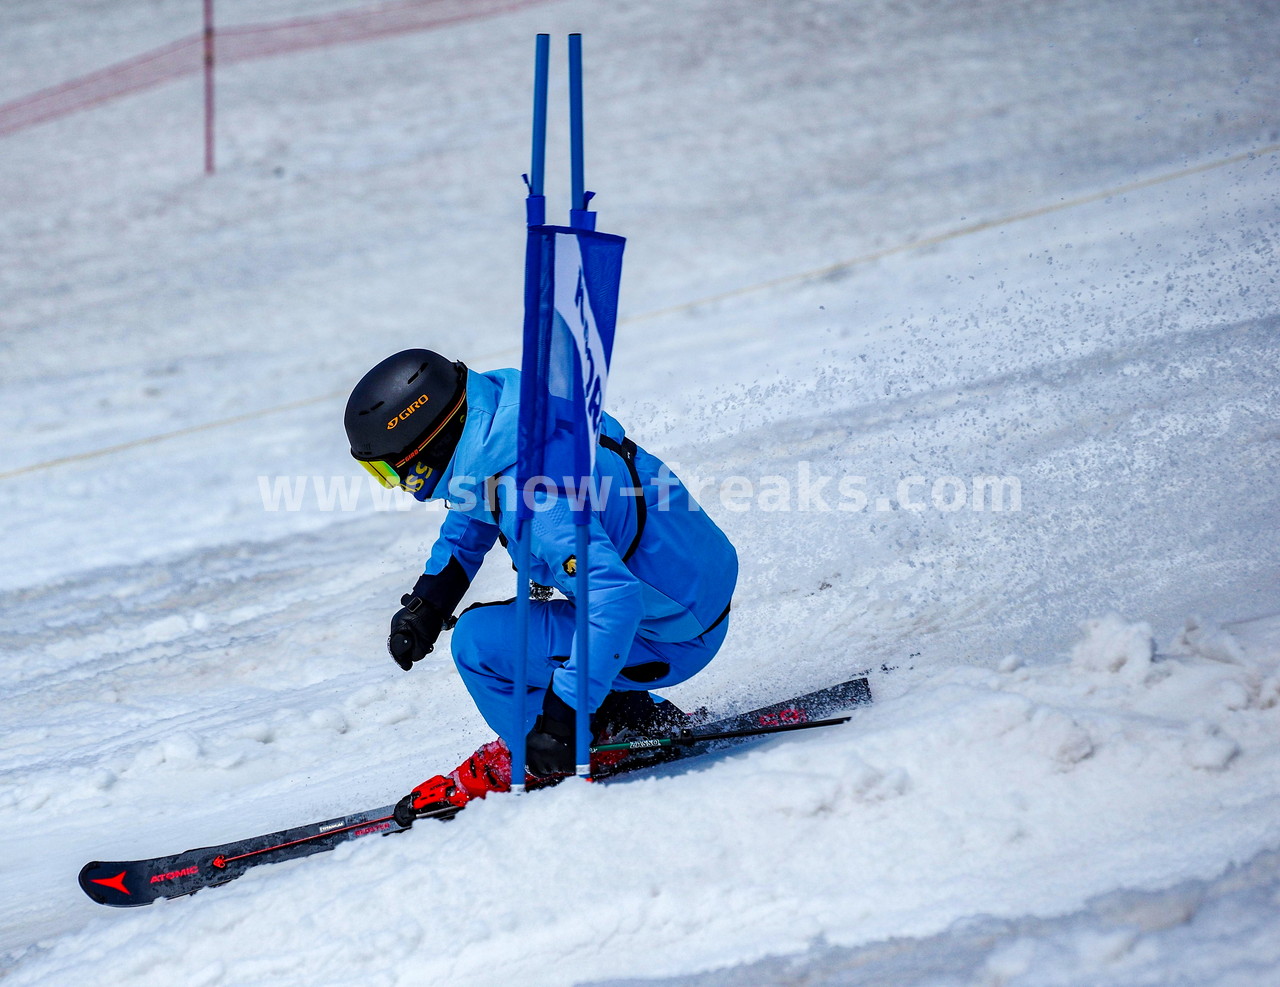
[[382, 472]]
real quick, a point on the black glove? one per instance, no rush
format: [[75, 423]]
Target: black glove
[[549, 749], [414, 630], [426, 612]]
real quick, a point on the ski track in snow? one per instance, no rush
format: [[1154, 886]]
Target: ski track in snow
[[1070, 774]]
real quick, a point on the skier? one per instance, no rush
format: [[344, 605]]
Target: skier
[[662, 572]]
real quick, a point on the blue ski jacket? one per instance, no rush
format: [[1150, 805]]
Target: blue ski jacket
[[660, 568]]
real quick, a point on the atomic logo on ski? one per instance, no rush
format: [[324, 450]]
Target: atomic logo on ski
[[173, 875], [784, 716], [115, 883]]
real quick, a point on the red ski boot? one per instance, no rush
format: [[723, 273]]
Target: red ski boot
[[487, 770], [637, 715], [622, 716]]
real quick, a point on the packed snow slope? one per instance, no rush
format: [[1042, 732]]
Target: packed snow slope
[[879, 253]]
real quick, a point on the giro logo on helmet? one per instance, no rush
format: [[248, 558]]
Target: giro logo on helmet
[[404, 415]]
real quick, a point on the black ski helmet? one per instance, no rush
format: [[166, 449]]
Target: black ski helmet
[[405, 417]]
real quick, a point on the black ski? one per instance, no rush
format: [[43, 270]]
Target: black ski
[[781, 716], [128, 883]]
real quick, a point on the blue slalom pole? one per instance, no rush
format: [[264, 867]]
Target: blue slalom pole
[[579, 217], [520, 687], [536, 203], [582, 725], [535, 215]]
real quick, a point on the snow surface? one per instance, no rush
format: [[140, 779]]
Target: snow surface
[[884, 240]]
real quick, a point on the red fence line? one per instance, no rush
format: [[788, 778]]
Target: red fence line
[[238, 44], [142, 72]]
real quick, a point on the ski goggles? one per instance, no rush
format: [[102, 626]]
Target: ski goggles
[[414, 468]]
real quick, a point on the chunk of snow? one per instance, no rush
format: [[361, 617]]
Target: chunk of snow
[[1113, 646]]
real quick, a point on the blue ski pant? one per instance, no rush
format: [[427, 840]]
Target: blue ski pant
[[485, 651]]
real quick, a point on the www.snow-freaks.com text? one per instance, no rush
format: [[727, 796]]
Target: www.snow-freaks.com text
[[806, 489]]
